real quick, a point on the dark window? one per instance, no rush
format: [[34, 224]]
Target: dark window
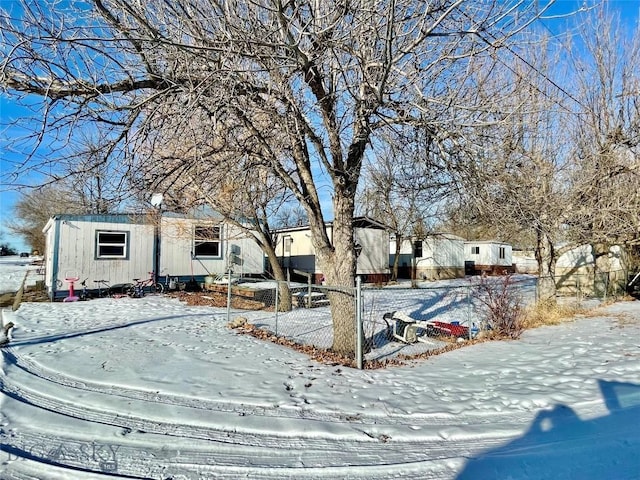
[[111, 244], [501, 252], [475, 250], [207, 241], [417, 249]]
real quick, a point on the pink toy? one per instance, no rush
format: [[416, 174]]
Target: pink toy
[[72, 296]]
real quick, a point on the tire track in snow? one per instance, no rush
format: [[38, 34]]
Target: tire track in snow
[[225, 449], [272, 411], [130, 460]]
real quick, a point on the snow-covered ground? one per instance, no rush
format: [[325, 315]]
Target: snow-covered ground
[[152, 388], [13, 270]]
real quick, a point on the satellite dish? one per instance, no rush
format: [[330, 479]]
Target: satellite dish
[[156, 199]]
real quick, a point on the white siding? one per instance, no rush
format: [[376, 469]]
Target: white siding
[[525, 262], [582, 256], [76, 253], [177, 245], [575, 258], [489, 253], [374, 258], [441, 251]]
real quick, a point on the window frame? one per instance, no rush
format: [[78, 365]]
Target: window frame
[[100, 243], [502, 253], [198, 241], [475, 250]]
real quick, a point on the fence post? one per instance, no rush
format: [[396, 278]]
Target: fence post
[[359, 329], [309, 291], [469, 324], [277, 297], [229, 295]]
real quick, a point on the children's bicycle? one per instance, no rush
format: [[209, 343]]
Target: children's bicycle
[[141, 287], [105, 289], [84, 294]]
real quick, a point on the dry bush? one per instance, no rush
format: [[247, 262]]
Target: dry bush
[[502, 304], [549, 313]]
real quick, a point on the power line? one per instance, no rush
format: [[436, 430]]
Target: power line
[[526, 62]]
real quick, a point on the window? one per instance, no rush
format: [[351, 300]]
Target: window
[[111, 244], [475, 250], [417, 249], [207, 241], [287, 241], [501, 252]]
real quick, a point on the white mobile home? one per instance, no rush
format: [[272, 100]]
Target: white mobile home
[[525, 261], [437, 256], [490, 257], [296, 252], [119, 248]]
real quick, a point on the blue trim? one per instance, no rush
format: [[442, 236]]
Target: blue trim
[[106, 218]]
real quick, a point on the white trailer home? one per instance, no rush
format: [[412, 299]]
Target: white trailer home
[[437, 256], [525, 261], [488, 257], [297, 254], [119, 247]]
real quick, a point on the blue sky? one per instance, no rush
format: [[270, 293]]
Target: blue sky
[[8, 110]]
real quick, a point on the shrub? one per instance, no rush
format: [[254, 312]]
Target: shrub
[[502, 305], [549, 313]]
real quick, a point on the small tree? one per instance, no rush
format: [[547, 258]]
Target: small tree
[[405, 185], [6, 249]]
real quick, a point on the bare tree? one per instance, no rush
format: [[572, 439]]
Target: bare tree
[[223, 167], [564, 170], [516, 182], [405, 186], [606, 137], [328, 75], [34, 208]]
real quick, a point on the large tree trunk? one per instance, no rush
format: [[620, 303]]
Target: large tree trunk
[[396, 258], [338, 264], [601, 269]]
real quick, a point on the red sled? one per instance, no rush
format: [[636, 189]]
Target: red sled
[[444, 328]]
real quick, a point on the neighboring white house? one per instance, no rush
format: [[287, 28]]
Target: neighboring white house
[[575, 271], [296, 252], [438, 256], [119, 247], [488, 256]]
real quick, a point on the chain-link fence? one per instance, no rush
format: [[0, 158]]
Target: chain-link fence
[[297, 311], [382, 323], [592, 284], [377, 323]]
